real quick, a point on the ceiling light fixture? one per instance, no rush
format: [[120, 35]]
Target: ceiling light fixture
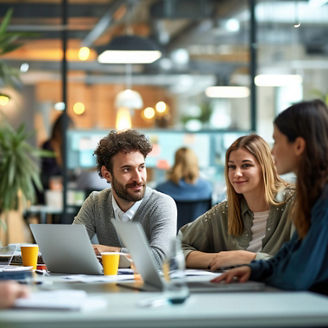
[[123, 119], [126, 101], [129, 49], [277, 80], [317, 3], [128, 98], [227, 92]]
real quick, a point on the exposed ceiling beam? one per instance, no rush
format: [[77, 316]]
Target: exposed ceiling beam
[[103, 23]]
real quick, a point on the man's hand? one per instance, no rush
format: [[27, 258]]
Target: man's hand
[[240, 274], [230, 258], [103, 248], [10, 291]]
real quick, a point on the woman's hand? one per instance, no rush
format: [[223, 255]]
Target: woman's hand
[[230, 258], [240, 274]]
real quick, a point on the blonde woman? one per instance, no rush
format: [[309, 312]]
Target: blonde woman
[[192, 194], [183, 181], [253, 222]]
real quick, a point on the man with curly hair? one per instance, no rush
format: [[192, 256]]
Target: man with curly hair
[[121, 161]]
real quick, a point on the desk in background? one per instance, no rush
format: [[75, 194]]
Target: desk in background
[[43, 211]]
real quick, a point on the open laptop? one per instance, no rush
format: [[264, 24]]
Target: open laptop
[[66, 248], [133, 236]]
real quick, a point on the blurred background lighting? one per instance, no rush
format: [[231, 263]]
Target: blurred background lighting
[[149, 113], [123, 119], [128, 98], [84, 53], [232, 25], [227, 92], [24, 67], [78, 108], [129, 49], [161, 107], [59, 106], [277, 80], [4, 100]]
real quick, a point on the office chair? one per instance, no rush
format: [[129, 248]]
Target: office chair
[[189, 210]]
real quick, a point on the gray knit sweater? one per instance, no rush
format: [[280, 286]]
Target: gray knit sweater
[[157, 214]]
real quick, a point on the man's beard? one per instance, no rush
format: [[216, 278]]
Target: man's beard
[[123, 191]]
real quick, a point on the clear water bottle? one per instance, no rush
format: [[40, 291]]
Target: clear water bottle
[[176, 289]]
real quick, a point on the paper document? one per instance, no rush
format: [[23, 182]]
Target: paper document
[[61, 300], [195, 272], [97, 278], [200, 275]]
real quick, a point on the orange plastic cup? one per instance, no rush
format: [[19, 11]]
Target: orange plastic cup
[[110, 261], [30, 254]]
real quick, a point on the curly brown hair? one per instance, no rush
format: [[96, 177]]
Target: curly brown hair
[[117, 141]]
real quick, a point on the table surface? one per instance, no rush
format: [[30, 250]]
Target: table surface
[[122, 309]]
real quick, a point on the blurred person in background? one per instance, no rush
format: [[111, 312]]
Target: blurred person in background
[[51, 167], [184, 182]]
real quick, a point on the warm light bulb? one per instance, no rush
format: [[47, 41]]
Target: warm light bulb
[[123, 119], [4, 100], [78, 108], [149, 113], [84, 53], [161, 107]]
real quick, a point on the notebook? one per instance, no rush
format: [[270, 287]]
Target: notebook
[[133, 236], [12, 272]]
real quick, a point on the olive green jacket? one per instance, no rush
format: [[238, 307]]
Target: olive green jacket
[[209, 232]]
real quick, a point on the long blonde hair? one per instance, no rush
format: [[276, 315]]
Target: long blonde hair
[[257, 147], [185, 166]]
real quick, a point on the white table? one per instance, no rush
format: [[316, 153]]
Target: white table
[[264, 309]]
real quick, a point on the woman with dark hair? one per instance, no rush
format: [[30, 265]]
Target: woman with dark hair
[[253, 222], [52, 166], [300, 146]]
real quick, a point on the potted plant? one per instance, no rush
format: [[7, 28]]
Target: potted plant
[[19, 171]]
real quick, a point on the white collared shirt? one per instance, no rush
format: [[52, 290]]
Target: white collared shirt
[[125, 216]]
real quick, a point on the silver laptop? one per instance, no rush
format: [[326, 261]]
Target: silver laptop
[[133, 236], [66, 248]]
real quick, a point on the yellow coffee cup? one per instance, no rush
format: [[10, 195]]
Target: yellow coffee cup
[[30, 254], [110, 261]]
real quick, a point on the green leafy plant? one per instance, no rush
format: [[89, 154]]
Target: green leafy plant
[[10, 41], [204, 115], [19, 171], [321, 95]]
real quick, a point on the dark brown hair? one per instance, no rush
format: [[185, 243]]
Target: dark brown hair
[[115, 142], [308, 120]]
